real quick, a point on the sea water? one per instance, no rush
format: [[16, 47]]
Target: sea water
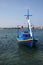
[[12, 53]]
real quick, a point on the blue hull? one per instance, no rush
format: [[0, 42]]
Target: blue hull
[[29, 42], [26, 39]]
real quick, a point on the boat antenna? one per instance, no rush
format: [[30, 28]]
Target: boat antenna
[[29, 26], [27, 16]]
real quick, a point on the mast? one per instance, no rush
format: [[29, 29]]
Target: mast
[[29, 25]]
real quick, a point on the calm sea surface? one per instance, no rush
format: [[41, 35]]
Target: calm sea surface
[[12, 53]]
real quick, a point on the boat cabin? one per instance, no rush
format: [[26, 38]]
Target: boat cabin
[[25, 34]]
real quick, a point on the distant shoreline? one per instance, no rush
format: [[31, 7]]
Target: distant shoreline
[[20, 28]]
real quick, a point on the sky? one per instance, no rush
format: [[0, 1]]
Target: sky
[[12, 12]]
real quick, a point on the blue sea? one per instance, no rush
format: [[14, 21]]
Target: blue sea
[[12, 53]]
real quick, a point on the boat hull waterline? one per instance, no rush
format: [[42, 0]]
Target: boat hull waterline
[[28, 42]]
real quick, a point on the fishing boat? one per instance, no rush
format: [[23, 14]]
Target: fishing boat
[[27, 37]]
